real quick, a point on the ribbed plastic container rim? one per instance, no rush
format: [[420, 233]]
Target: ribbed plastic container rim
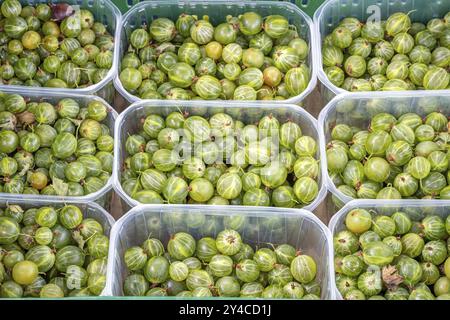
[[257, 211], [87, 198], [95, 87], [305, 5], [294, 100], [322, 77], [13, 199], [333, 224], [211, 104], [355, 96]]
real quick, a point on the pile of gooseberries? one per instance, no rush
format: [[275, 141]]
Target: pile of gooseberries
[[51, 252], [247, 57], [401, 256], [218, 160], [391, 55], [60, 149], [52, 45], [223, 266], [394, 157]]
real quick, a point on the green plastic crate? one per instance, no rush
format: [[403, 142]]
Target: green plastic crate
[[308, 6]]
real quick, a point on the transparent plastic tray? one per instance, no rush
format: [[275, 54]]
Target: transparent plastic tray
[[129, 121], [416, 209], [89, 209], [300, 228], [103, 195], [105, 12], [329, 14], [356, 109], [147, 11]]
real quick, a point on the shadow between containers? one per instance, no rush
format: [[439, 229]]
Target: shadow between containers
[[154, 9], [145, 107], [133, 226]]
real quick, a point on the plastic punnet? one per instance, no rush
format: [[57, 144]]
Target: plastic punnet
[[89, 209], [105, 12], [129, 122], [415, 209], [330, 13], [147, 11], [356, 109], [103, 196], [300, 228]]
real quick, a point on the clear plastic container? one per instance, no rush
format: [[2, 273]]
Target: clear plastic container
[[89, 209], [146, 11], [329, 14], [356, 109], [263, 227], [416, 210], [103, 195], [105, 12], [129, 122]]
